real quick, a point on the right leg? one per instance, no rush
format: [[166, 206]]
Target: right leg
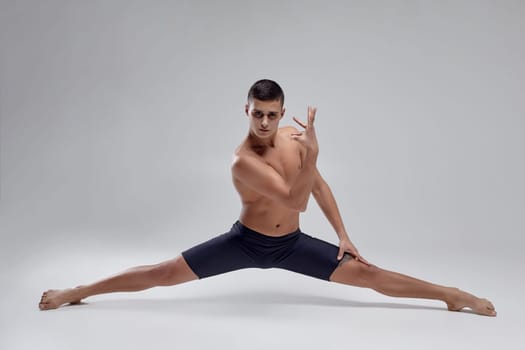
[[167, 273], [224, 253]]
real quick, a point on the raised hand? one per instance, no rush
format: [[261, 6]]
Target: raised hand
[[307, 137]]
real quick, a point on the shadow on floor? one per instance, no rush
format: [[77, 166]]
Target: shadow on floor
[[235, 304]]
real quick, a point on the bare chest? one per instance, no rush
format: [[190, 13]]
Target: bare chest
[[286, 161]]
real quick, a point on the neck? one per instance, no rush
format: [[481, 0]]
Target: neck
[[260, 145]]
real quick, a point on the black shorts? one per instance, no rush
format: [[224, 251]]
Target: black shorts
[[242, 248]]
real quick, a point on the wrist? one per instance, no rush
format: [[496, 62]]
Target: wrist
[[311, 155], [343, 236]]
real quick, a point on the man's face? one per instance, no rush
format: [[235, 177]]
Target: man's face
[[264, 117]]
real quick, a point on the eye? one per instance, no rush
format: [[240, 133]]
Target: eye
[[272, 115], [257, 114]]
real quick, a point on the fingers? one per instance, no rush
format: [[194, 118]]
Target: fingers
[[311, 118], [355, 254], [299, 122], [363, 260], [340, 254], [311, 115]]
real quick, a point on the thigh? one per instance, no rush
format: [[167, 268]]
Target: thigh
[[312, 257], [220, 254], [354, 273], [173, 271]]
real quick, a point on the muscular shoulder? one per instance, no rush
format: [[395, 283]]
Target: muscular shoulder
[[244, 158], [288, 129], [284, 133]]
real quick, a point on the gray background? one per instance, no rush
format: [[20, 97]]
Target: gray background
[[119, 118]]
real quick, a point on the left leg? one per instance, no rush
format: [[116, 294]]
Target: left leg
[[317, 258], [394, 284]]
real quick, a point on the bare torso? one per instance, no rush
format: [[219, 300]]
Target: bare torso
[[261, 213]]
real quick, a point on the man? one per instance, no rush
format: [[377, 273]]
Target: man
[[274, 170]]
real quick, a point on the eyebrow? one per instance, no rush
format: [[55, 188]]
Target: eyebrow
[[269, 112]]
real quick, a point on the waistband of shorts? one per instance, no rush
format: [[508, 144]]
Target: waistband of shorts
[[247, 230]]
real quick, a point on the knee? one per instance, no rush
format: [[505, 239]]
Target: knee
[[164, 273], [367, 274], [357, 273]]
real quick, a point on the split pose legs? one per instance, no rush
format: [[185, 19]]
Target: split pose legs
[[274, 171], [351, 272]]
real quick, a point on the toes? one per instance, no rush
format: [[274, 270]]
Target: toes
[[46, 306], [489, 309], [490, 306], [492, 311]]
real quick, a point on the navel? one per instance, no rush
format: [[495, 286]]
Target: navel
[[278, 225]]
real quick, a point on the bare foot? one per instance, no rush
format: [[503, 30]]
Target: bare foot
[[461, 299], [54, 298]]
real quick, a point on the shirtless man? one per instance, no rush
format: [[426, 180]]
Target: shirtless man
[[274, 170]]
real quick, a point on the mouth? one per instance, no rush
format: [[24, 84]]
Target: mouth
[[264, 130]]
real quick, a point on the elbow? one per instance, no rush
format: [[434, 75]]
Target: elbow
[[304, 205], [300, 206], [297, 202], [296, 205]]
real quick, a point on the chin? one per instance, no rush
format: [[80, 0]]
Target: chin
[[261, 134], [264, 135]]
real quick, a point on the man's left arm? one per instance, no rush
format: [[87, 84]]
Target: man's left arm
[[325, 198]]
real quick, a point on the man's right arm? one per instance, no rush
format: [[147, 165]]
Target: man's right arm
[[263, 179]]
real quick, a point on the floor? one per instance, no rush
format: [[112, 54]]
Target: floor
[[257, 308]]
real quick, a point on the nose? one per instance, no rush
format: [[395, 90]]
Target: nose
[[264, 122]]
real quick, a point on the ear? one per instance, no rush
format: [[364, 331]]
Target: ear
[[282, 112], [246, 108]]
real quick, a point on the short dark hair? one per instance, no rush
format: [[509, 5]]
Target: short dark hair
[[266, 90]]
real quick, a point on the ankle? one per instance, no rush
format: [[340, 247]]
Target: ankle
[[451, 295], [80, 292]]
